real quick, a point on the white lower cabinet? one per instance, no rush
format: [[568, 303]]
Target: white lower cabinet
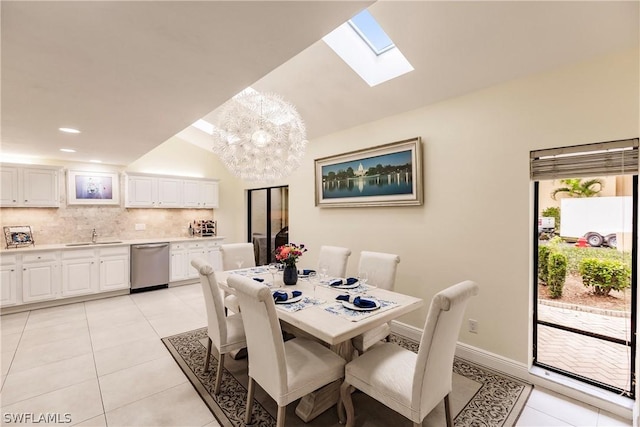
[[114, 268], [183, 252], [179, 261], [8, 281], [40, 277], [79, 272]]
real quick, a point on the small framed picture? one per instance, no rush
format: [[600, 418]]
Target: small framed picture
[[18, 236], [92, 188]]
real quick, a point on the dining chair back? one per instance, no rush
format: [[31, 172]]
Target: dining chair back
[[409, 383], [380, 267], [335, 259], [232, 253], [381, 271], [226, 333], [285, 370]]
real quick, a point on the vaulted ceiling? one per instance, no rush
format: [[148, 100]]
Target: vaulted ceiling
[[131, 75]]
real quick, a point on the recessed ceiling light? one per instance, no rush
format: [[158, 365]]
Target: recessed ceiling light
[[68, 150], [95, 161], [69, 130]]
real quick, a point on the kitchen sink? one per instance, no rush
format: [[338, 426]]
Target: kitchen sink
[[91, 244]]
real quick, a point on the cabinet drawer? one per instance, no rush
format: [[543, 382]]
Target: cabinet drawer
[[8, 259], [178, 246], [40, 257], [213, 245], [116, 250], [79, 253], [195, 245]]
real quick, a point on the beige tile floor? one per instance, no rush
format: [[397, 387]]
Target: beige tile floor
[[103, 363]]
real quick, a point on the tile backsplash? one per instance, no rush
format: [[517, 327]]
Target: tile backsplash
[[68, 224]]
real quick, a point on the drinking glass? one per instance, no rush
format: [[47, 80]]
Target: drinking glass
[[274, 267], [363, 276], [313, 279], [324, 269]]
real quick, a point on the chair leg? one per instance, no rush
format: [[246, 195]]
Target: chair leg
[[282, 412], [345, 398], [447, 411], [216, 388], [250, 392], [206, 360]]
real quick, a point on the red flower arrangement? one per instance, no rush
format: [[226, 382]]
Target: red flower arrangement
[[288, 254]]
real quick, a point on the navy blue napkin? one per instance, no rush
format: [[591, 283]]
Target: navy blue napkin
[[357, 301], [306, 272], [258, 279], [347, 281], [283, 296]]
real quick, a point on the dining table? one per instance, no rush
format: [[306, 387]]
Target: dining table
[[316, 313]]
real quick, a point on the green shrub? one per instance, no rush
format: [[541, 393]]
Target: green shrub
[[543, 262], [557, 273], [604, 275]]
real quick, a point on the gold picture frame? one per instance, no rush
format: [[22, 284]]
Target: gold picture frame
[[385, 175]]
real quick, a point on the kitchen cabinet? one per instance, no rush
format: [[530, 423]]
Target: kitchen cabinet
[[183, 252], [79, 272], [24, 186], [178, 270], [40, 276], [214, 256], [114, 268], [157, 191], [153, 192], [200, 194], [8, 280]]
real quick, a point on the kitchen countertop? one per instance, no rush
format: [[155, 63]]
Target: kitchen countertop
[[63, 246]]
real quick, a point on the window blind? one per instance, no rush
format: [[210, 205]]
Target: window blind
[[600, 159]]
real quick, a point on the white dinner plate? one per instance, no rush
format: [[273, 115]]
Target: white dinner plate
[[351, 286], [347, 304], [290, 300]]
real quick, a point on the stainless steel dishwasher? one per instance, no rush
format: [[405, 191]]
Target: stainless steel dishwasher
[[149, 266]]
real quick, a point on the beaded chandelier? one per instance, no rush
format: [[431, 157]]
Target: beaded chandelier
[[259, 137]]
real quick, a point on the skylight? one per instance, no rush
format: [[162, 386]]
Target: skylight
[[371, 32], [368, 50]]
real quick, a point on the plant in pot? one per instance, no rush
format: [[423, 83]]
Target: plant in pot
[[288, 255]]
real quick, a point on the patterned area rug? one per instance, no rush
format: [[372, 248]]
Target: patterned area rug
[[480, 397]]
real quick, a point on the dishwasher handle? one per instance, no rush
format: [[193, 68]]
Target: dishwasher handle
[[152, 246]]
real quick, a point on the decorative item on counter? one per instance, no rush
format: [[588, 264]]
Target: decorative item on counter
[[18, 236], [202, 228], [288, 255]]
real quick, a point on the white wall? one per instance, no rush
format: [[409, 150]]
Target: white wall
[[476, 220]]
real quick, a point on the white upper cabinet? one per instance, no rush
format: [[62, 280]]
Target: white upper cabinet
[[200, 194], [149, 191], [26, 186]]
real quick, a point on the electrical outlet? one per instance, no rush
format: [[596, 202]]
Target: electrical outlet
[[473, 326], [140, 227]]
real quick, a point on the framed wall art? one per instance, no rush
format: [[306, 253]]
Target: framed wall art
[[385, 175], [92, 188], [18, 236]]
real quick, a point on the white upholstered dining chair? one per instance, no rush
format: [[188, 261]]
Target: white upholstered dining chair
[[225, 332], [381, 271], [285, 370], [409, 383], [232, 253], [335, 259]]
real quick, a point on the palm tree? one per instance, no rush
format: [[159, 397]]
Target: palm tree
[[576, 187]]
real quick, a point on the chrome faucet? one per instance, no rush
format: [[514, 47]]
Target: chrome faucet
[[94, 236]]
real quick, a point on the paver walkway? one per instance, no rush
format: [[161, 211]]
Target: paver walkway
[[593, 358]]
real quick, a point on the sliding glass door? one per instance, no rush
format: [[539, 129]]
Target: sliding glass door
[[268, 225], [585, 263]]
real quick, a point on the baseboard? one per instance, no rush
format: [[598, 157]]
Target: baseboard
[[560, 384]]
